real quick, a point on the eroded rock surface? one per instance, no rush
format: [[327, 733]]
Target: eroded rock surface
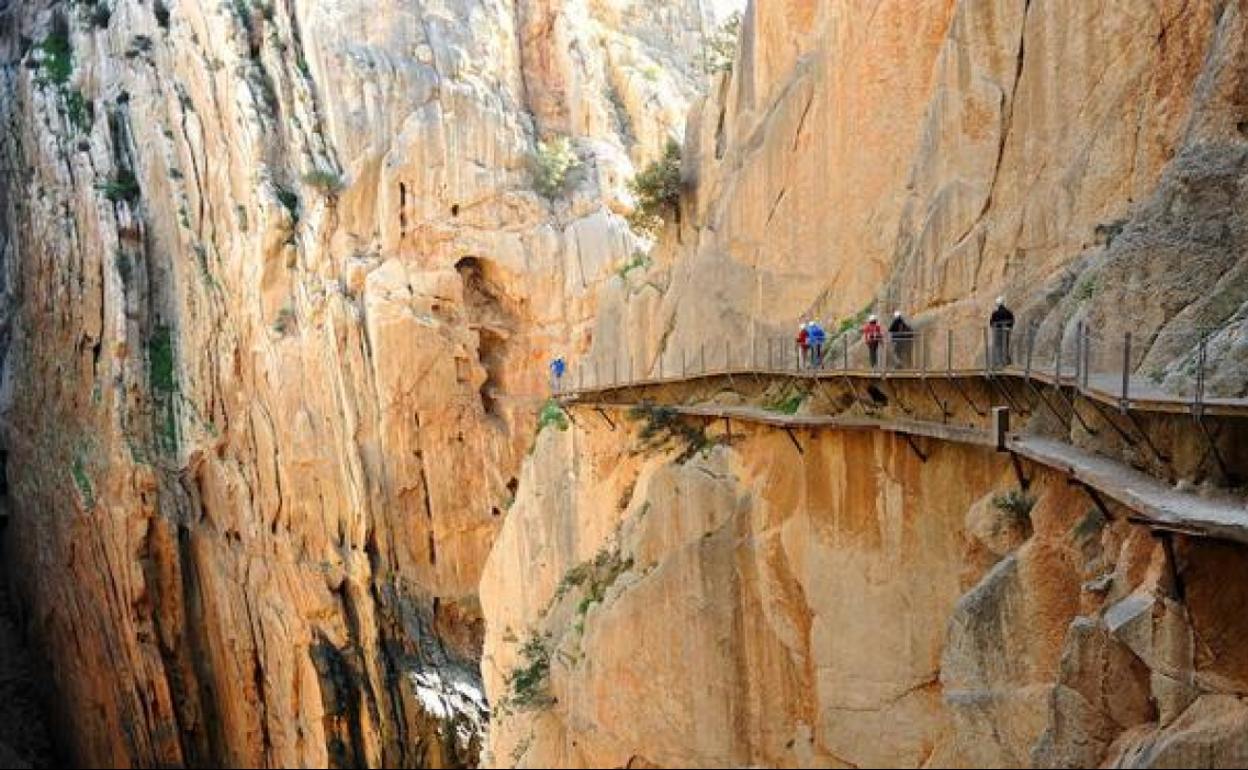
[[279, 295]]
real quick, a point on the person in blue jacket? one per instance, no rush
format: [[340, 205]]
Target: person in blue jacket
[[818, 338], [557, 368]]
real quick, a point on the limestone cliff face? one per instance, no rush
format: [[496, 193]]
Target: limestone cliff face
[[661, 597], [852, 606], [931, 155], [279, 294]]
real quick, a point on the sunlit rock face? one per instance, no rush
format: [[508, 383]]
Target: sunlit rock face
[[1082, 160], [661, 597], [278, 296], [847, 603]]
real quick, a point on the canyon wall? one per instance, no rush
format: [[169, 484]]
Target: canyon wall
[[667, 594], [660, 596], [278, 297], [1085, 160]]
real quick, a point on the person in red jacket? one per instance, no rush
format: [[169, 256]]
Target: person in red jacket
[[803, 345], [873, 335]]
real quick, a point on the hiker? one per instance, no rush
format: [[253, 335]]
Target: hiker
[[1001, 324], [817, 337], [557, 369], [803, 345], [873, 334], [902, 337]]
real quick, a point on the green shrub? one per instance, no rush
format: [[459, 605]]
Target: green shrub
[[58, 57], [719, 49], [553, 164], [529, 684], [664, 428], [122, 187], [1087, 288], [289, 200], [552, 414], [83, 481], [787, 404], [657, 190], [160, 360], [1015, 503], [79, 110], [327, 183], [639, 261], [855, 321]]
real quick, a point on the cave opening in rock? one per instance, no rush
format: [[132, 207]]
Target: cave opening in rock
[[487, 314]]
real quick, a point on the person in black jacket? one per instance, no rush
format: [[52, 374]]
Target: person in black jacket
[[1001, 325], [902, 337]]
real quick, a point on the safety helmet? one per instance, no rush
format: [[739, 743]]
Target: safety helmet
[[873, 318], [1000, 301], [896, 314]]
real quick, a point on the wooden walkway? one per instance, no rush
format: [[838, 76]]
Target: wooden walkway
[[1153, 503], [1141, 395]]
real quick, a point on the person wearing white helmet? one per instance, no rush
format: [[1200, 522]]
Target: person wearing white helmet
[[873, 335], [902, 337], [1001, 324]]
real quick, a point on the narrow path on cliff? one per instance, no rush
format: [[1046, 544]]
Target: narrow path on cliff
[[988, 397]]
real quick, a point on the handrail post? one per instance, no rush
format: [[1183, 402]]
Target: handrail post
[[989, 353], [922, 340], [684, 364], [1079, 357], [1198, 405], [1057, 366], [1087, 356], [615, 370], [845, 352], [1031, 349], [702, 356], [727, 355], [1125, 404]]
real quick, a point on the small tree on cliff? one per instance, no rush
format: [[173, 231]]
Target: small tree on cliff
[[719, 49], [657, 190], [552, 165]]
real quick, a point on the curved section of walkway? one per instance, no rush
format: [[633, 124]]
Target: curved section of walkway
[[1154, 503]]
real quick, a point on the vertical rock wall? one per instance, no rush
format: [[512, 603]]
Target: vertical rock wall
[[278, 296]]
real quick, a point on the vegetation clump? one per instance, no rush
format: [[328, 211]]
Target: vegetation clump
[[665, 429], [552, 414], [657, 192], [122, 187], [553, 164], [528, 686], [786, 404], [328, 183], [719, 49], [1016, 503], [58, 57]]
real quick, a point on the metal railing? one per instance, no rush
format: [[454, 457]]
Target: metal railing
[[1164, 367]]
